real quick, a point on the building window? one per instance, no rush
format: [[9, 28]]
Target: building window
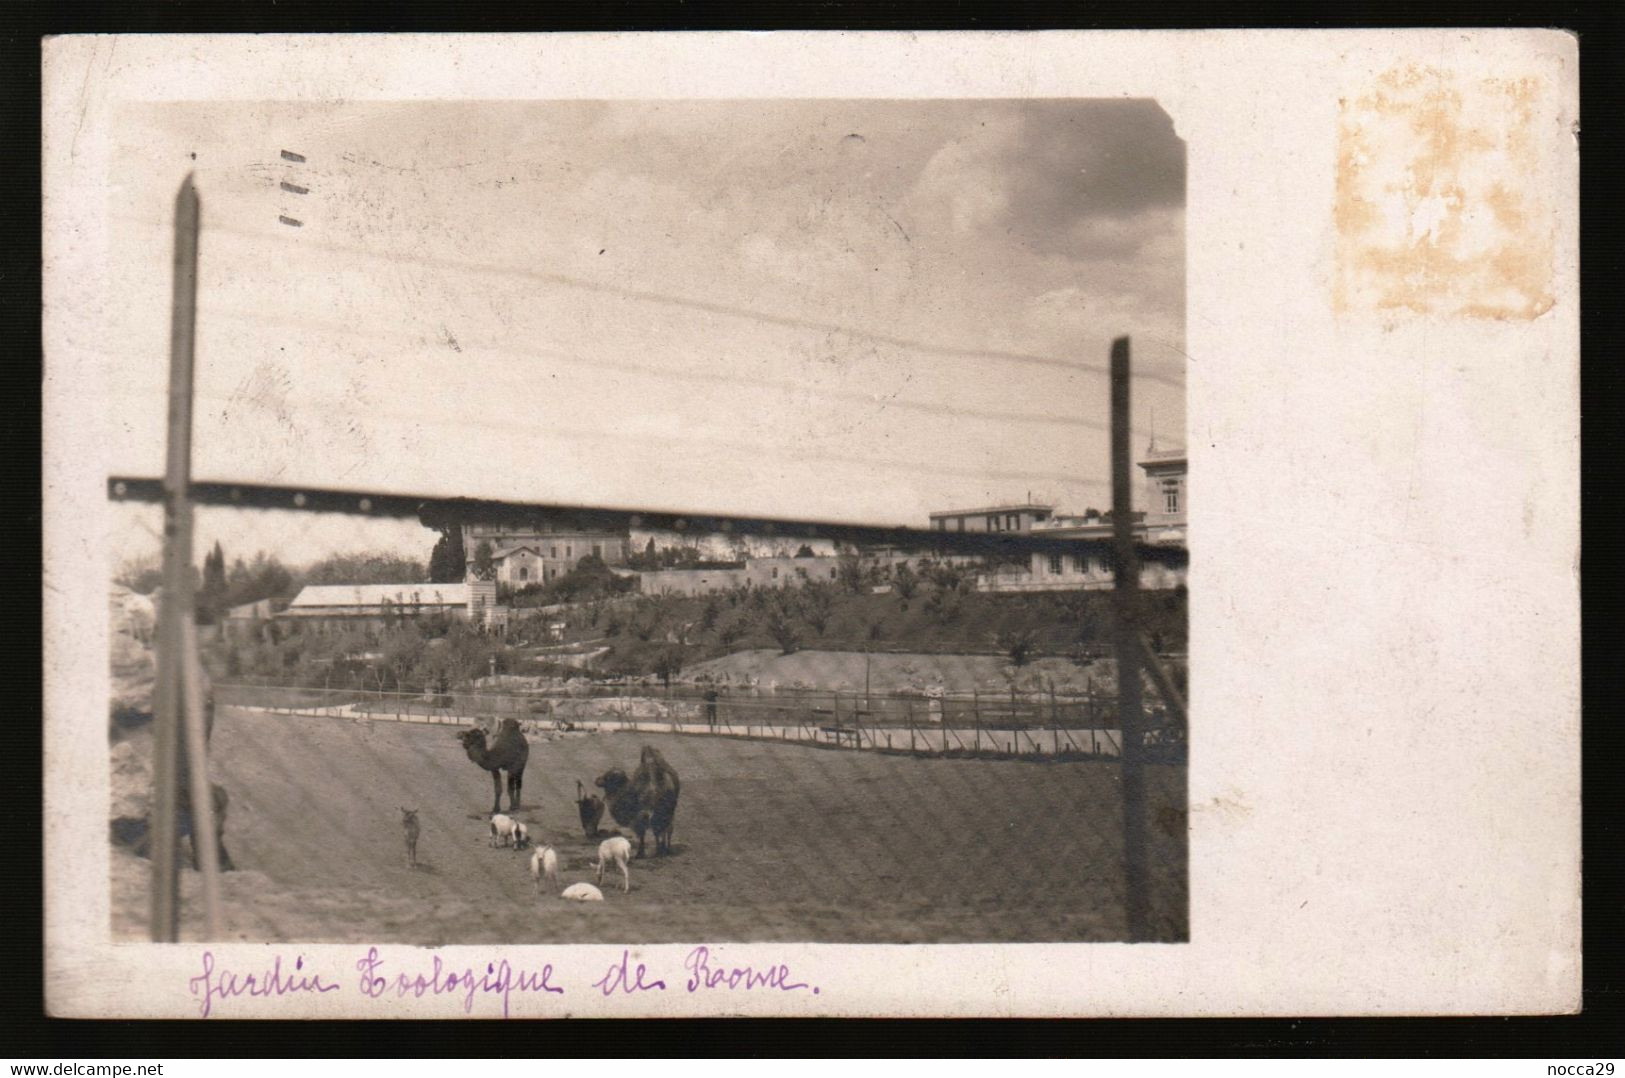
[[942, 524], [597, 550], [524, 574], [961, 521], [1055, 564], [832, 574], [775, 572], [1171, 493], [567, 553], [993, 523], [553, 551], [1012, 522]]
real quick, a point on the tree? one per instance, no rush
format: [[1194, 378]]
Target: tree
[[849, 571], [782, 628], [905, 582], [816, 603], [484, 565], [370, 567], [734, 631], [805, 552], [448, 564], [782, 610], [668, 664], [212, 598]]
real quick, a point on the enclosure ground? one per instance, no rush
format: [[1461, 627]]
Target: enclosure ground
[[772, 842]]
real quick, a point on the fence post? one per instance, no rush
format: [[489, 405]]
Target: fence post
[[1126, 574], [169, 688]]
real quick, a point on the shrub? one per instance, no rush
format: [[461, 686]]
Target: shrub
[[1017, 643]]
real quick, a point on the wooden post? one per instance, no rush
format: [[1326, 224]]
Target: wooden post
[[169, 690], [205, 831], [1126, 579]]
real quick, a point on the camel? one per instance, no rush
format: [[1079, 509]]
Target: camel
[[646, 801], [507, 753]]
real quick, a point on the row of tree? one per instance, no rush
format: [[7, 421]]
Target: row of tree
[[219, 586]]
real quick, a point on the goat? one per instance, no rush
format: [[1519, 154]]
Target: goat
[[544, 865], [501, 830], [521, 835], [582, 892], [615, 851], [409, 823]]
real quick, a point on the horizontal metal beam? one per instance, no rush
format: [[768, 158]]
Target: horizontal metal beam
[[444, 512]]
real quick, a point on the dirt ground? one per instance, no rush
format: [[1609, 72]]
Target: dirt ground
[[771, 842]]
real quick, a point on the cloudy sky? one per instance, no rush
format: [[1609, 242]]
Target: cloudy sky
[[856, 311]]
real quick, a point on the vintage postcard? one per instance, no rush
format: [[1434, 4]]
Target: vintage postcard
[[687, 525]]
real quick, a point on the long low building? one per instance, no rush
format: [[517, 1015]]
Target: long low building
[[360, 606]]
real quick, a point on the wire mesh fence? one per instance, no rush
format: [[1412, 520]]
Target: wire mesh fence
[[858, 783]]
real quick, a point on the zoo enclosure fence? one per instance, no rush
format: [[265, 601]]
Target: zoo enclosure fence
[[1056, 727]]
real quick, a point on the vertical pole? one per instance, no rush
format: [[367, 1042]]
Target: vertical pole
[[1126, 575], [205, 829], [164, 926]]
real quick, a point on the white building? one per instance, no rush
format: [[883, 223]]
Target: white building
[[1162, 525]]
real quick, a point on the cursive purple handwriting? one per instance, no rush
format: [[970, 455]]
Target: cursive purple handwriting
[[499, 978], [620, 977], [702, 975], [212, 986]]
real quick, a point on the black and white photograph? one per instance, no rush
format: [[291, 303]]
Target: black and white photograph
[[797, 617], [701, 525]]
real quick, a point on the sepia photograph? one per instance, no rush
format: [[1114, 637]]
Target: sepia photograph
[[700, 525], [799, 616]]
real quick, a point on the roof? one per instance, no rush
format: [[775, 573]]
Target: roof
[[1165, 455], [347, 596], [498, 555], [1032, 506]]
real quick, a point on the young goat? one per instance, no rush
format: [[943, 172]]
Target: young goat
[[615, 851], [544, 865], [521, 835], [591, 810], [409, 823], [502, 830], [582, 892]]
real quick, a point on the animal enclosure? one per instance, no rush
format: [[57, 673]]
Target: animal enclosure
[[771, 842]]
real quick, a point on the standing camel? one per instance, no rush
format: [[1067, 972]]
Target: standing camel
[[507, 753]]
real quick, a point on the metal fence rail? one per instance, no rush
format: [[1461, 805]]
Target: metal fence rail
[[1029, 728]]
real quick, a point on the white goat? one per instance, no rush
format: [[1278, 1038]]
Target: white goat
[[582, 892], [615, 851], [544, 865], [521, 835], [502, 830]]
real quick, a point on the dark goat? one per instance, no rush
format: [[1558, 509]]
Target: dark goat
[[591, 809], [645, 802]]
